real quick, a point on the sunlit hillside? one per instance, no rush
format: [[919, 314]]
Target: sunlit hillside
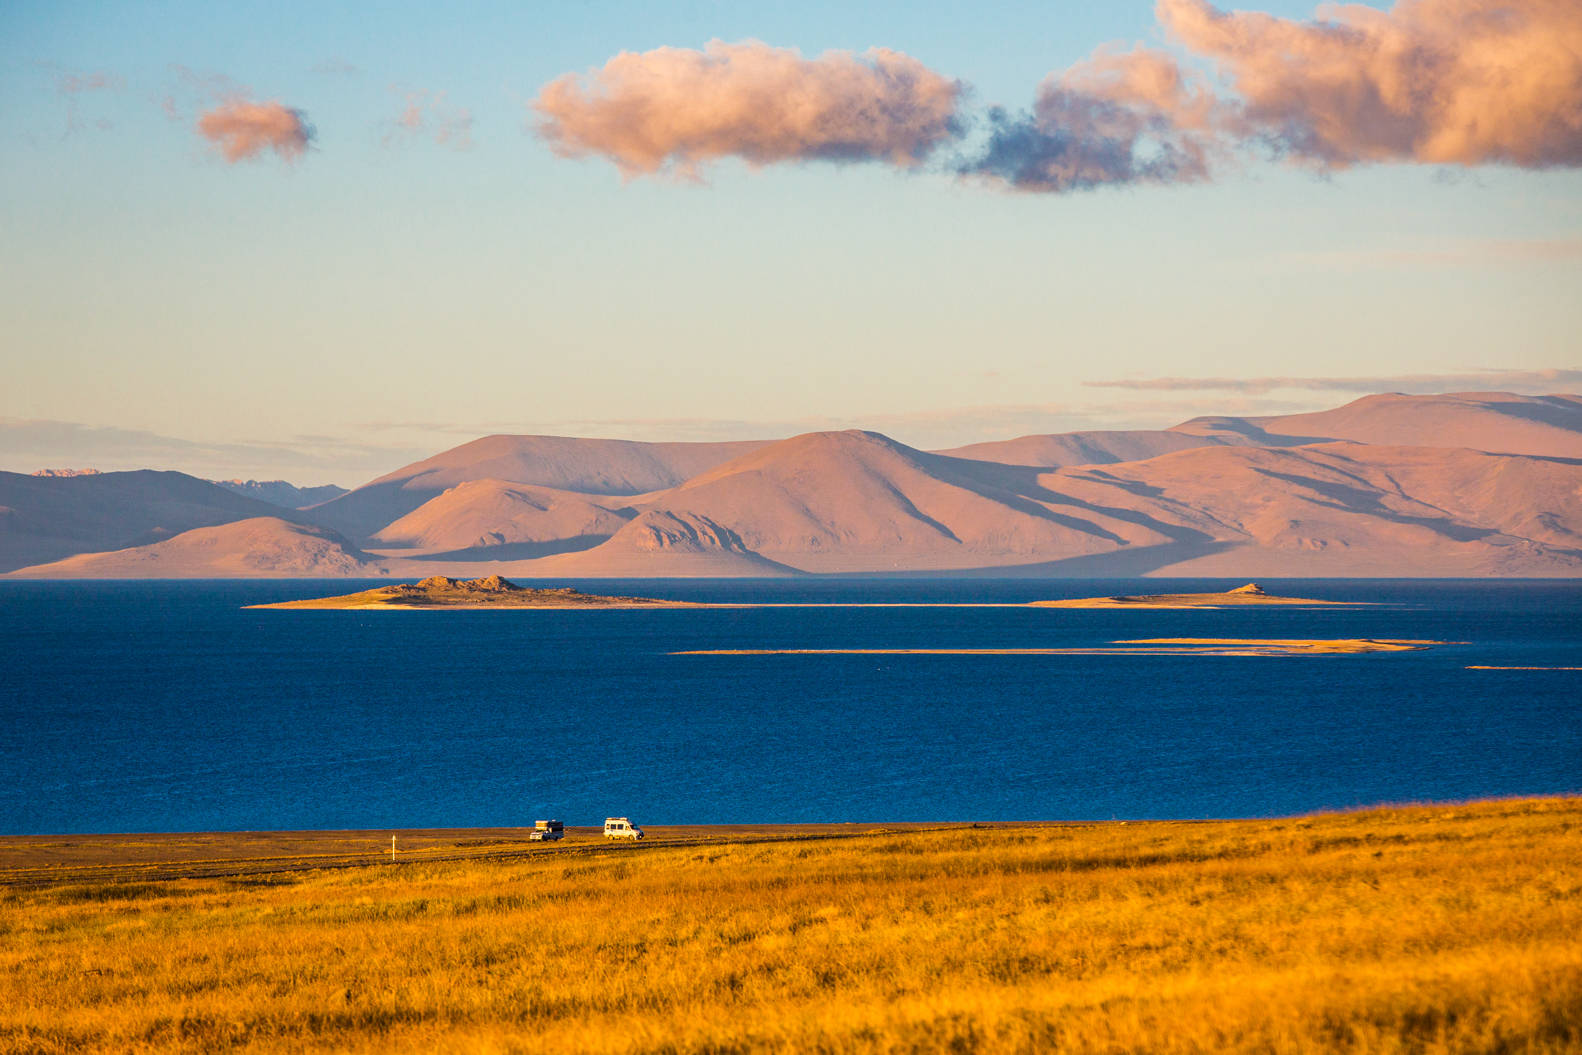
[[1440, 929]]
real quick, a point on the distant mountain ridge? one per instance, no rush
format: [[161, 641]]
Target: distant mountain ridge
[[282, 493], [1469, 484], [45, 518]]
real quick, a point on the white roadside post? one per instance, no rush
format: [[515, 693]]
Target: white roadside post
[[392, 849]]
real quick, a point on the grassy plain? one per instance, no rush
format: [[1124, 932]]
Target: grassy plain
[[1439, 929]]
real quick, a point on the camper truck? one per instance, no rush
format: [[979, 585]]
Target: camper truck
[[621, 828], [546, 831]]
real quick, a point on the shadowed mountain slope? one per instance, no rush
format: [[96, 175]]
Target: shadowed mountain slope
[[282, 493], [1058, 450], [584, 466], [1346, 509], [1502, 422], [1547, 426], [261, 547], [45, 518]]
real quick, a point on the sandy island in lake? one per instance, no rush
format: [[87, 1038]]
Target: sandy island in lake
[[1242, 596], [491, 592], [1153, 646]]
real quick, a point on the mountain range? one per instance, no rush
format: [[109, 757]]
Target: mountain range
[[1470, 484]]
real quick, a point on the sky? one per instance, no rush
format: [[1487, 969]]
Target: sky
[[317, 242]]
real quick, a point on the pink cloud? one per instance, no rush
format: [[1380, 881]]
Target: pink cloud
[[241, 130], [1117, 117], [1462, 82], [680, 108]]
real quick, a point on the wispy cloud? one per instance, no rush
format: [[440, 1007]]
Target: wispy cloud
[[334, 66], [1530, 381], [426, 115], [75, 86], [1457, 254], [98, 81], [678, 108]]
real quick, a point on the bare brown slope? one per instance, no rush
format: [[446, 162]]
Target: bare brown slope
[[584, 466], [493, 519], [1546, 426], [45, 518], [861, 502], [1348, 509], [858, 502], [263, 547]]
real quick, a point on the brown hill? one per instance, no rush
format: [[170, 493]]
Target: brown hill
[[262, 547], [1547, 426], [493, 519], [861, 502], [45, 518], [584, 466]]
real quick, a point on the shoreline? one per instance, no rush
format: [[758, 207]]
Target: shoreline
[[323, 605], [50, 859]]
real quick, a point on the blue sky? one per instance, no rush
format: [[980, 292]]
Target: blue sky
[[386, 295]]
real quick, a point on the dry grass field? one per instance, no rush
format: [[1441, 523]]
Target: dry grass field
[[1440, 929]]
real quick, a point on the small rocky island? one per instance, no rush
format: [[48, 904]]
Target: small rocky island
[[438, 591], [1251, 594]]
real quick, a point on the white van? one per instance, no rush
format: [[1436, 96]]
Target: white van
[[621, 828]]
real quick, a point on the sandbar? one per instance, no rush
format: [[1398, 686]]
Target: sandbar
[[1242, 596], [1482, 667], [1158, 646]]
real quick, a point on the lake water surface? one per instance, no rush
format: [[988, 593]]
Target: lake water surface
[[144, 706]]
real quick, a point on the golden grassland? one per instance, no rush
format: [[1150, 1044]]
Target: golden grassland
[[1439, 929]]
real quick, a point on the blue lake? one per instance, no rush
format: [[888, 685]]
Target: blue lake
[[139, 706]]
